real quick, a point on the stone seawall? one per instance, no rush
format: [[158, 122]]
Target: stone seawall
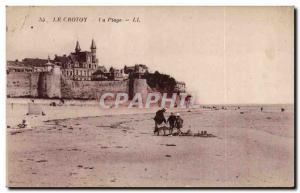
[[140, 86], [22, 84], [51, 85], [91, 89], [34, 84]]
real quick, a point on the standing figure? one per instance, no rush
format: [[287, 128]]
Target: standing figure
[[172, 122], [159, 118], [179, 123]]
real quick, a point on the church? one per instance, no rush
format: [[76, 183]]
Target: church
[[79, 65]]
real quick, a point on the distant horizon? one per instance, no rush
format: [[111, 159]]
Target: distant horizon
[[201, 104]]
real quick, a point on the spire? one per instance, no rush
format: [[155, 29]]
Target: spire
[[93, 45], [77, 48]]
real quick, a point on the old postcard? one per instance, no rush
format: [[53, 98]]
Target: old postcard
[[150, 96]]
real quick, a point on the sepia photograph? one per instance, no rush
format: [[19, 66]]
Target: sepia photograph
[[150, 97]]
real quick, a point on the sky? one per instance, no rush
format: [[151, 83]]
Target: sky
[[225, 55]]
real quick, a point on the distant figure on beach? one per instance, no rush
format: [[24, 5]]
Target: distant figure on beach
[[282, 109], [179, 123], [61, 102], [188, 101], [172, 122], [159, 118], [53, 104], [261, 109]]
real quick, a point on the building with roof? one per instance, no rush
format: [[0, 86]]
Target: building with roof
[[16, 66], [78, 65], [180, 87], [136, 69]]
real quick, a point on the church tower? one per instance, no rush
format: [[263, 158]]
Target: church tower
[[77, 48], [93, 51]]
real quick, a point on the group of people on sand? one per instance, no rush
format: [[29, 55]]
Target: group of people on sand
[[174, 121]]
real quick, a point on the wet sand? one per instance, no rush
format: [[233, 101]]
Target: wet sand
[[252, 149]]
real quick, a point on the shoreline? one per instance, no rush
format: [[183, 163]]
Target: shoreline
[[25, 100], [16, 110]]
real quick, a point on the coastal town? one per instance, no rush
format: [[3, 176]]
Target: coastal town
[[64, 75]]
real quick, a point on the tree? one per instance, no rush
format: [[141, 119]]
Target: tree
[[163, 82]]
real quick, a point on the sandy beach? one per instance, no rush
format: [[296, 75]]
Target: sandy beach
[[89, 148]]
